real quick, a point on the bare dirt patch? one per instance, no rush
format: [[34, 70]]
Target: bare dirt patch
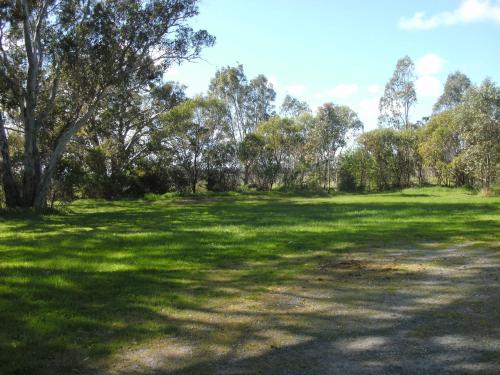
[[414, 311]]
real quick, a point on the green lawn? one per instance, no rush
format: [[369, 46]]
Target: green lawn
[[78, 287]]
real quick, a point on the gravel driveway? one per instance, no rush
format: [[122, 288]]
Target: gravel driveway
[[392, 311]]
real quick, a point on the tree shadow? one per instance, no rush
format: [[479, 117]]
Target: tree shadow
[[84, 286]]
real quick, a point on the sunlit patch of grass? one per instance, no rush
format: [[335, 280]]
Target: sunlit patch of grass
[[100, 275]]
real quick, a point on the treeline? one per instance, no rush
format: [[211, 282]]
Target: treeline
[[84, 112], [162, 141], [233, 136], [458, 145]]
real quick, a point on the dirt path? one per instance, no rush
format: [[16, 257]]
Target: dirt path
[[425, 311]]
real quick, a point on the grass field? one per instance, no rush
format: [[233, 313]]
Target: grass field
[[188, 285]]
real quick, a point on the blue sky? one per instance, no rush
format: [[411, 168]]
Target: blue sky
[[345, 51]]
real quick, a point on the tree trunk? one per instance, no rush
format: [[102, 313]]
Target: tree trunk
[[30, 174], [62, 140], [246, 175], [9, 185], [29, 162], [195, 175]]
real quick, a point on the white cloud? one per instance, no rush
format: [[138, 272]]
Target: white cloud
[[274, 81], [428, 86], [374, 89], [295, 89], [343, 90], [430, 64], [469, 11], [368, 112]]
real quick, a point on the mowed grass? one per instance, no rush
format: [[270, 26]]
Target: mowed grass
[[79, 286]]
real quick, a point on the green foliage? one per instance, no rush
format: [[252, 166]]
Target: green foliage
[[439, 146], [293, 107], [62, 62], [399, 96], [248, 103], [196, 134], [352, 171], [478, 117], [146, 137], [390, 158], [455, 88]]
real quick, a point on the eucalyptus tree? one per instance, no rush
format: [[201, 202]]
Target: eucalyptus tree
[[250, 154], [260, 102], [399, 96], [281, 137], [121, 134], [192, 131], [230, 85], [381, 157], [293, 107], [439, 145], [478, 118], [248, 103], [333, 125], [455, 88], [60, 59]]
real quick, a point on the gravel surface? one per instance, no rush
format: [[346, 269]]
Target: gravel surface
[[393, 311]]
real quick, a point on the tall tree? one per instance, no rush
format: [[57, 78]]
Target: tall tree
[[293, 107], [332, 128], [399, 96], [260, 102], [230, 85], [191, 131], [121, 134], [248, 103], [281, 136], [440, 144], [61, 58], [455, 88], [478, 118]]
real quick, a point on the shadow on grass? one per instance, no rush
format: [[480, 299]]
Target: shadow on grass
[[77, 288]]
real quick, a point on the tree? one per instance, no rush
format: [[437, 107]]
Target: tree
[[399, 96], [293, 107], [249, 153], [439, 145], [248, 103], [281, 136], [10, 188], [260, 102], [351, 171], [330, 134], [455, 88], [478, 118], [231, 86], [191, 131], [60, 59], [379, 147], [121, 135]]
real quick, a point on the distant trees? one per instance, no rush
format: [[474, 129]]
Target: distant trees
[[99, 136], [455, 88], [195, 132], [293, 107], [478, 119], [459, 144], [298, 151], [248, 103], [329, 134], [281, 137]]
